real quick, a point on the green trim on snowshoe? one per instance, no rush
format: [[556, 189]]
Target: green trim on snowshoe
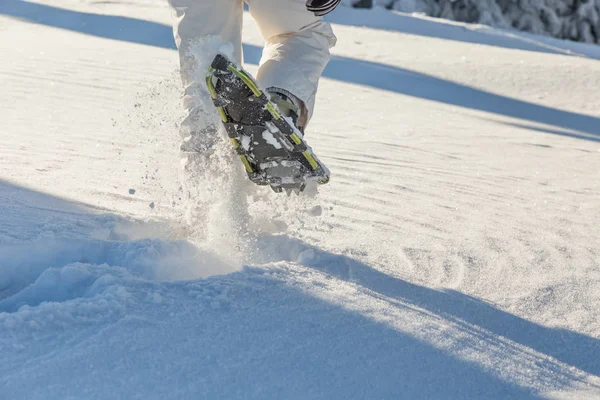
[[244, 119]]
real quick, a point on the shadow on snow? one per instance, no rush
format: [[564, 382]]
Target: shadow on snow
[[381, 19], [336, 352], [572, 348], [345, 69], [272, 337], [105, 26], [339, 352]]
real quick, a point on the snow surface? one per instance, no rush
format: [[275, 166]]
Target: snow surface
[[270, 139], [454, 255]]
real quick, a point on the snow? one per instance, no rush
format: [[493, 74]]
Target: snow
[[454, 254], [270, 139], [245, 142], [564, 19]]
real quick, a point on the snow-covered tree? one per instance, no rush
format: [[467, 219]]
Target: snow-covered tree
[[566, 19]]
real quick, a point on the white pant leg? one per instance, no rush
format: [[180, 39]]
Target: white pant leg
[[195, 20], [297, 47]]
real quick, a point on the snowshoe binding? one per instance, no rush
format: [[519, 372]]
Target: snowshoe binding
[[267, 141]]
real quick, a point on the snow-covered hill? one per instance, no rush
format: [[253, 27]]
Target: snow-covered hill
[[454, 255]]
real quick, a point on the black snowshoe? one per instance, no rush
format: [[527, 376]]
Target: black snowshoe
[[269, 144]]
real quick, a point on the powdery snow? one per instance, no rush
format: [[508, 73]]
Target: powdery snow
[[270, 139], [454, 255]]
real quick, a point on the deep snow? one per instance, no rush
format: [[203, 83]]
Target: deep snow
[[455, 254]]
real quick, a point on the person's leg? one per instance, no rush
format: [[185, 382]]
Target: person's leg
[[296, 50], [198, 19]]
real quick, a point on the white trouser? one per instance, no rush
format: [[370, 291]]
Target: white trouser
[[296, 50]]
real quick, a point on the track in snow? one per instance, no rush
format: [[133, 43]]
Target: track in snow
[[454, 255]]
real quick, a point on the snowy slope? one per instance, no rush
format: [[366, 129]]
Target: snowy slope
[[454, 255]]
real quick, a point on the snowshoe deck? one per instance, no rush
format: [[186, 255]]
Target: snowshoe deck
[[269, 145]]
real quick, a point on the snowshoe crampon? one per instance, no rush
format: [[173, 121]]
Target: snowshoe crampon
[[268, 143]]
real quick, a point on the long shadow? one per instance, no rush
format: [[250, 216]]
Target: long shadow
[[393, 21], [309, 348], [39, 231], [155, 34], [346, 69], [105, 26], [572, 348], [275, 336], [423, 86]]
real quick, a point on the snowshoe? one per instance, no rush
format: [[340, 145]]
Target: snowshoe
[[268, 142]]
